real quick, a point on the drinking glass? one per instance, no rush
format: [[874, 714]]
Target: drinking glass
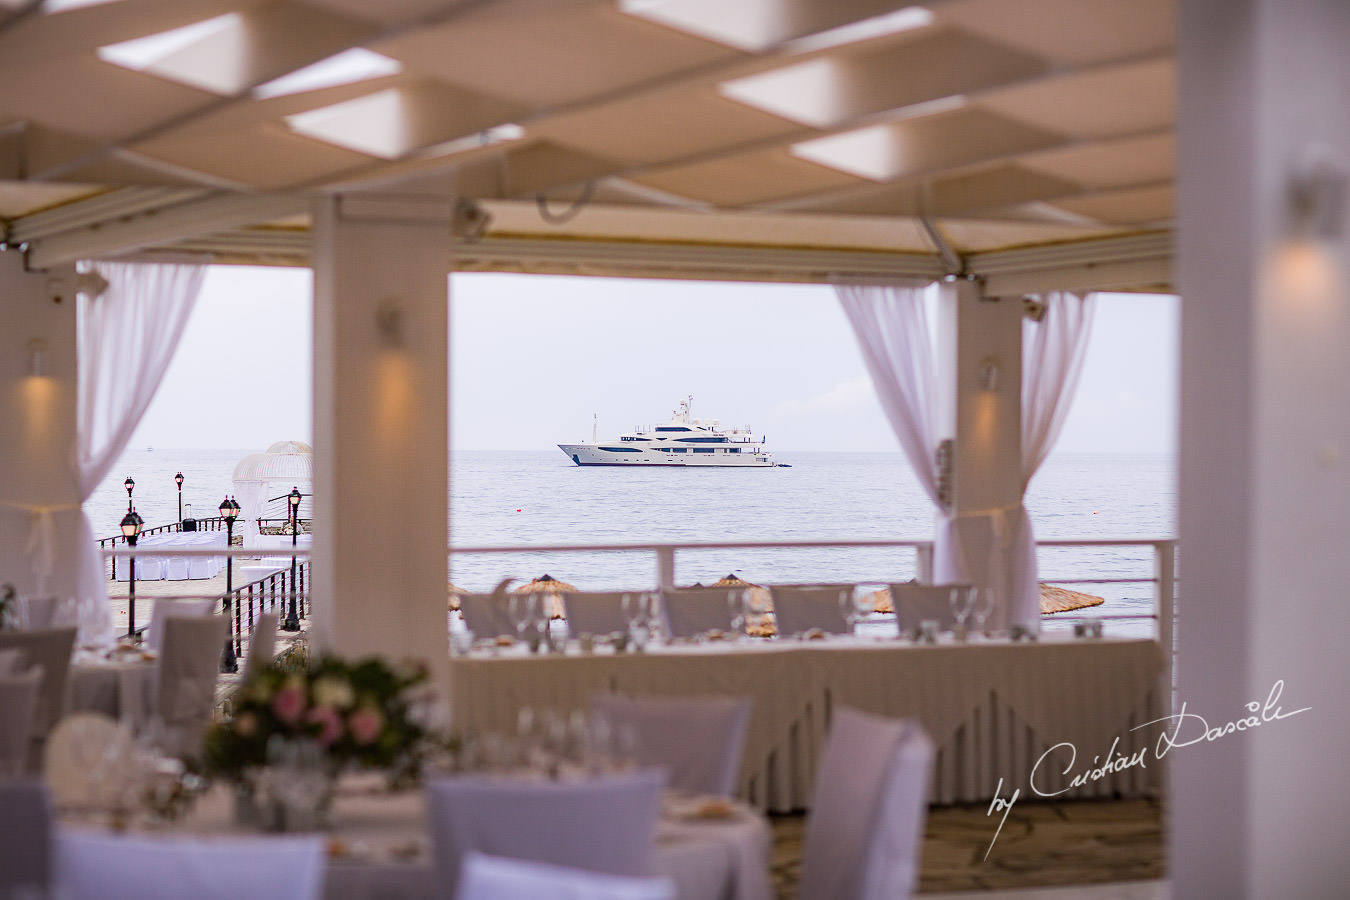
[[738, 602], [524, 611], [984, 607], [962, 599]]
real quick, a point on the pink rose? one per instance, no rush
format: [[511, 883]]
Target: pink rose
[[329, 722], [365, 725], [288, 704]]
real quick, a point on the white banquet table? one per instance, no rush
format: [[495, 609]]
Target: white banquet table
[[177, 568], [991, 707], [379, 846]]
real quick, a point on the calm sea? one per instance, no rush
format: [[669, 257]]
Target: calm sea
[[541, 498]]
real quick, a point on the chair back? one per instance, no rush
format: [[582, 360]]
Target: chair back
[[865, 832], [484, 877], [37, 613], [797, 609], [689, 612], [50, 650], [596, 613], [262, 645], [27, 823], [487, 615], [18, 700], [916, 602], [697, 740], [605, 824], [96, 866], [186, 680], [170, 609]]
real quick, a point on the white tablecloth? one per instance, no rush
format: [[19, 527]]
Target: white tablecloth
[[380, 847], [176, 568], [992, 708]]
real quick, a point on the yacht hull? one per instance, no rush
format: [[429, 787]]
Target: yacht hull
[[615, 455]]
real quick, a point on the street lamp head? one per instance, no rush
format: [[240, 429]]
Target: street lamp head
[[227, 510], [294, 499], [178, 480], [128, 484], [129, 526]]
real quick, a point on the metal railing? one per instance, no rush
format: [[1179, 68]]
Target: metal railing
[[273, 591]]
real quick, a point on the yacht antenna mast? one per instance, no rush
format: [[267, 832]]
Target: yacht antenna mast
[[595, 427]]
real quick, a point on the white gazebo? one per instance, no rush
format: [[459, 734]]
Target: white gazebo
[[1001, 149], [262, 481]]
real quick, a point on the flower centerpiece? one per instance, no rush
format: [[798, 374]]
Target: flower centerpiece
[[360, 714]]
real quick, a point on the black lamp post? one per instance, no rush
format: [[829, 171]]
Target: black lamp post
[[130, 486], [178, 479], [229, 662], [131, 529], [292, 622]]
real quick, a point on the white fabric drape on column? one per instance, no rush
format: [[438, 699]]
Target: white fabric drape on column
[[1052, 360], [891, 325], [127, 337]]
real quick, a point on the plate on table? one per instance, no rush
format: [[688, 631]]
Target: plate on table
[[90, 761]]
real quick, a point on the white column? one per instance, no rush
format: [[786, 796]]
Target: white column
[[980, 405], [381, 428], [37, 421], [1265, 453]]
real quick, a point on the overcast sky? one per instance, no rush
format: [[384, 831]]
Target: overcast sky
[[534, 358]]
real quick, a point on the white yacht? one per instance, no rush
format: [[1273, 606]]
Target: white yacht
[[684, 441]]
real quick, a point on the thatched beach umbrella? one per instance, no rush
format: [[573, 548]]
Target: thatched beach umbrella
[[1058, 600], [1053, 600], [761, 601], [552, 590]]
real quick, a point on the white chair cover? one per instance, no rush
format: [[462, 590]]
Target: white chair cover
[[690, 612], [186, 679], [92, 866], [595, 613], [799, 609], [484, 877], [36, 612], [262, 645], [865, 832], [487, 615], [697, 740], [50, 651], [26, 850], [165, 609], [18, 700], [916, 602], [600, 825]]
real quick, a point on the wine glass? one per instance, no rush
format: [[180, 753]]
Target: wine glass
[[984, 607], [524, 611], [962, 598], [737, 603]]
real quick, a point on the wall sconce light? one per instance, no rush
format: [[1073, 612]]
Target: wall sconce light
[[1317, 188], [389, 321], [469, 221], [37, 358], [988, 375]]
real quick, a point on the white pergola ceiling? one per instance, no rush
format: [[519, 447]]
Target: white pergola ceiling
[[762, 138]]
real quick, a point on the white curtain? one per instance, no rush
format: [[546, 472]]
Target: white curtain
[[1052, 360], [127, 337], [891, 325]]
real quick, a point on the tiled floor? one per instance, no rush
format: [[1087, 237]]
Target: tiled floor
[[1042, 845]]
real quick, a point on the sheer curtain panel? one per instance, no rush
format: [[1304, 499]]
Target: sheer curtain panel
[[127, 337]]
